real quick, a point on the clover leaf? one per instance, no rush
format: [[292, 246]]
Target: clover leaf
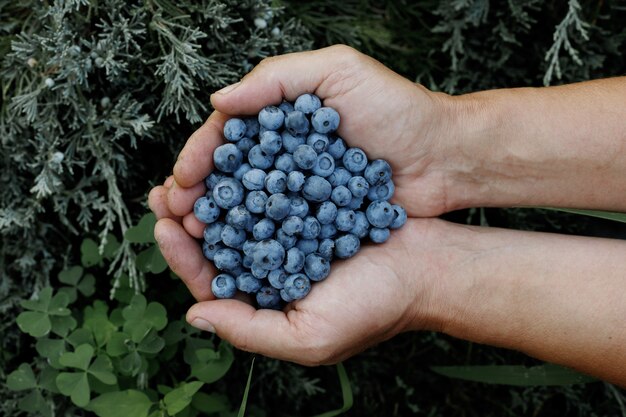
[[121, 403], [72, 277], [140, 317], [179, 398], [37, 322]]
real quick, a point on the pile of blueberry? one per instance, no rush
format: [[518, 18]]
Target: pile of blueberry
[[287, 197]]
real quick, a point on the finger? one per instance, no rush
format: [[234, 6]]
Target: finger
[[180, 200], [184, 256], [157, 201], [267, 332], [168, 181], [193, 226], [195, 160], [286, 76]]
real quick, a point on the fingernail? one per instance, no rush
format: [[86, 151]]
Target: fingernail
[[202, 324], [228, 89]]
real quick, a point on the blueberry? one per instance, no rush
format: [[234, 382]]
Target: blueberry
[[258, 271], [223, 286], [318, 142], [361, 225], [271, 117], [345, 219], [206, 210], [210, 249], [255, 201], [291, 142], [381, 192], [337, 148], [227, 157], [269, 254], [316, 189], [252, 127], [212, 180], [326, 212], [298, 207], [311, 228], [234, 129], [297, 286], [328, 230], [307, 103], [271, 142], [325, 120], [238, 217], [277, 206], [340, 176], [341, 196], [247, 261], [399, 217], [288, 241], [212, 232], [347, 246], [246, 282], [354, 160], [378, 172], [295, 181], [285, 163], [228, 193], [305, 156], [243, 168], [294, 261], [227, 259], [276, 182], [324, 165], [286, 107], [258, 158], [254, 219], [379, 235], [245, 144], [355, 203], [307, 245], [297, 123], [316, 267], [380, 214], [268, 297], [285, 296], [277, 278], [233, 237], [264, 229], [292, 225], [248, 247], [254, 179], [358, 186], [326, 248]]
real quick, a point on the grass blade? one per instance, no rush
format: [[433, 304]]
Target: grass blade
[[346, 392], [542, 375], [244, 400], [608, 215]]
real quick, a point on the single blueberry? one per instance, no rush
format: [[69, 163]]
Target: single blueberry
[[233, 237], [227, 259], [326, 248], [212, 180], [271, 117], [345, 219], [381, 192], [255, 201], [292, 225], [311, 228], [347, 246], [254, 179], [325, 120], [252, 127], [361, 225], [288, 241], [380, 214], [228, 193], [245, 144], [328, 231], [355, 203], [271, 142], [337, 148], [238, 217], [227, 157], [291, 142], [243, 168], [379, 235], [294, 261], [206, 210], [341, 196], [307, 103], [399, 217], [277, 278], [247, 283], [358, 186], [378, 172], [285, 296], [223, 286], [248, 247], [234, 129], [297, 123], [258, 158], [277, 206], [298, 207], [305, 156], [247, 261], [318, 142], [354, 160], [286, 107], [269, 254], [316, 267], [210, 249], [268, 297], [340, 176], [285, 163], [297, 286], [276, 182], [307, 245], [324, 165], [212, 232], [326, 212], [258, 271], [264, 229], [316, 189], [295, 181]]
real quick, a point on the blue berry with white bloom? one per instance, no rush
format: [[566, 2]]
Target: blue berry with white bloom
[[291, 142], [255, 201], [277, 278], [254, 179], [252, 127], [354, 160], [345, 219], [268, 297], [210, 249], [258, 271], [355, 203], [285, 163], [307, 245], [340, 176], [271, 117], [294, 261], [295, 181], [238, 217], [228, 193], [233, 237], [307, 103], [245, 144], [297, 286], [316, 267], [361, 225], [258, 158], [381, 192], [298, 207], [227, 259], [318, 142], [305, 156], [358, 186], [264, 229], [224, 286], [277, 206], [380, 214], [326, 212], [287, 241], [227, 157], [276, 182], [292, 225], [326, 248], [379, 235], [248, 247], [212, 180], [378, 172], [324, 165], [399, 217], [297, 123], [347, 246], [234, 129], [247, 283], [337, 148], [328, 231], [310, 228], [240, 172], [341, 196], [316, 189], [325, 120], [271, 142], [206, 210], [269, 254], [286, 107], [212, 232]]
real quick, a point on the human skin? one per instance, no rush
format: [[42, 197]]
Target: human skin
[[553, 297]]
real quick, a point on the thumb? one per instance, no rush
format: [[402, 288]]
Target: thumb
[[284, 77]]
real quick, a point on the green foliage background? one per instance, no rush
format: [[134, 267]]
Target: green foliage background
[[98, 97]]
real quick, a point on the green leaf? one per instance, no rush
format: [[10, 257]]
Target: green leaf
[[140, 318], [132, 364], [210, 403], [244, 400], [58, 305], [541, 375], [118, 344], [79, 359], [346, 392], [47, 379], [87, 285], [75, 385], [90, 255], [151, 260], [22, 378], [79, 337], [71, 276], [152, 343], [608, 215], [35, 403], [101, 369], [51, 349], [179, 398], [62, 325], [111, 247], [97, 321], [129, 403], [40, 303], [211, 365], [34, 323], [144, 231]]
